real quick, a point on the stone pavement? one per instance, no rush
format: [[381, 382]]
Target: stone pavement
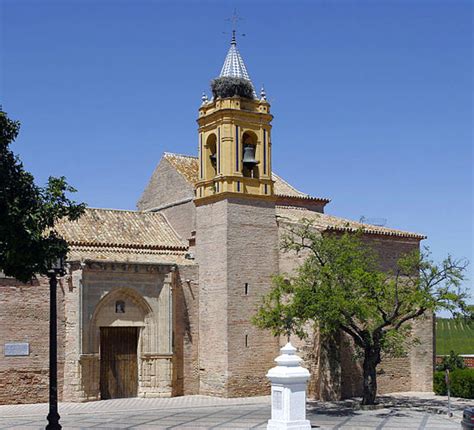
[[400, 411]]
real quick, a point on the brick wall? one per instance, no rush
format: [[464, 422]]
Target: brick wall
[[24, 317], [411, 373], [252, 259], [414, 372], [182, 218], [166, 186], [468, 360], [236, 243]]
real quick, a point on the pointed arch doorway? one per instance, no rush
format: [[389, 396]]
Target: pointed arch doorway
[[121, 327]]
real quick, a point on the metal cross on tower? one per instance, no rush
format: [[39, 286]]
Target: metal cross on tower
[[234, 19]]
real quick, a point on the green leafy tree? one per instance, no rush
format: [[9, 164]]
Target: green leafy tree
[[452, 361], [28, 213], [340, 287]]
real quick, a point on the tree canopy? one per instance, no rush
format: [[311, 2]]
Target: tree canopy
[[340, 287], [28, 213]]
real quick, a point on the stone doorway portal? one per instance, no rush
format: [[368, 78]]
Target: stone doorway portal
[[118, 362]]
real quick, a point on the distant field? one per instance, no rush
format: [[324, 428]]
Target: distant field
[[453, 335]]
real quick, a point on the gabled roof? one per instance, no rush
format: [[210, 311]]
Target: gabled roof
[[188, 167], [326, 222], [122, 236], [283, 188]]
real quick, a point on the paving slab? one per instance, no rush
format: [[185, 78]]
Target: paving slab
[[405, 411]]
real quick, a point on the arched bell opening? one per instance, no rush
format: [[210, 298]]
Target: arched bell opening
[[211, 156], [249, 155]]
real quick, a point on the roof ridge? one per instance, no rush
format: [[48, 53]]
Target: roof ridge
[[291, 186], [345, 224], [112, 209], [141, 212], [179, 155]]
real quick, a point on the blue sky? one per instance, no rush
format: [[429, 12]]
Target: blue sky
[[372, 100]]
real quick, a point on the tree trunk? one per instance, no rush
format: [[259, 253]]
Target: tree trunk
[[371, 359]]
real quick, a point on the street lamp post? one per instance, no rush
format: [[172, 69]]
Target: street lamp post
[[57, 268]]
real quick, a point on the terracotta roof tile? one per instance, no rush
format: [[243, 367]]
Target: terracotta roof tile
[[326, 222], [121, 229], [186, 165], [283, 188], [126, 255]]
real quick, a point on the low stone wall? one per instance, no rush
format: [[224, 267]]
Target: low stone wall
[[468, 359]]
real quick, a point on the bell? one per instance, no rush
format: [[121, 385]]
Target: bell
[[249, 156], [213, 159]]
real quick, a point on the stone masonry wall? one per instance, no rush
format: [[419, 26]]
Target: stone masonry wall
[[24, 317], [186, 331], [90, 303]]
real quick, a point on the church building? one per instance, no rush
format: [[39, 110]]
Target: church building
[[159, 301]]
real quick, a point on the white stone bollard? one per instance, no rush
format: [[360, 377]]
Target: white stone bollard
[[288, 381]]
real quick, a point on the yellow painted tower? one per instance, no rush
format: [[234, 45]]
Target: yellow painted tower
[[234, 139], [236, 234]]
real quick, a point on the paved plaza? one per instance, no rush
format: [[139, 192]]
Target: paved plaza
[[408, 412]]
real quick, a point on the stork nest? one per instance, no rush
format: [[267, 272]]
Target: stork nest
[[226, 86]]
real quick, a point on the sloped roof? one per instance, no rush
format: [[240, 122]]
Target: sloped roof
[[126, 255], [326, 222], [120, 235], [188, 167], [283, 188]]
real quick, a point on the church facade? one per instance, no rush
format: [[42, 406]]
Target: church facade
[[158, 301]]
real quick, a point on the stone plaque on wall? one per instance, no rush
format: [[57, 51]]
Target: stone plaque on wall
[[16, 349]]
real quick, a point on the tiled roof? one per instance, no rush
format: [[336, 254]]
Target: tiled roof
[[188, 167], [121, 229], [126, 255], [326, 222]]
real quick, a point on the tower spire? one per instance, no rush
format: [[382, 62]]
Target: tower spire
[[234, 65]]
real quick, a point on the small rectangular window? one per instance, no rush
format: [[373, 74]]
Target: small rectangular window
[[246, 289], [246, 341]]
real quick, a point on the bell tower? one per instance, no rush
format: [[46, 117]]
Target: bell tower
[[236, 234], [234, 136]]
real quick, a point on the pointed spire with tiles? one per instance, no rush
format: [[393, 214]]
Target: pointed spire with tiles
[[234, 65]]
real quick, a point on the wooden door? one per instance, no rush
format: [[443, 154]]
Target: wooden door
[[118, 362]]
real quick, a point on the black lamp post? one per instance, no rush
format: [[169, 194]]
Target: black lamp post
[[56, 268]]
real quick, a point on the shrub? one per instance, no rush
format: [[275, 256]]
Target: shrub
[[452, 362], [439, 383], [462, 383], [227, 86]]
